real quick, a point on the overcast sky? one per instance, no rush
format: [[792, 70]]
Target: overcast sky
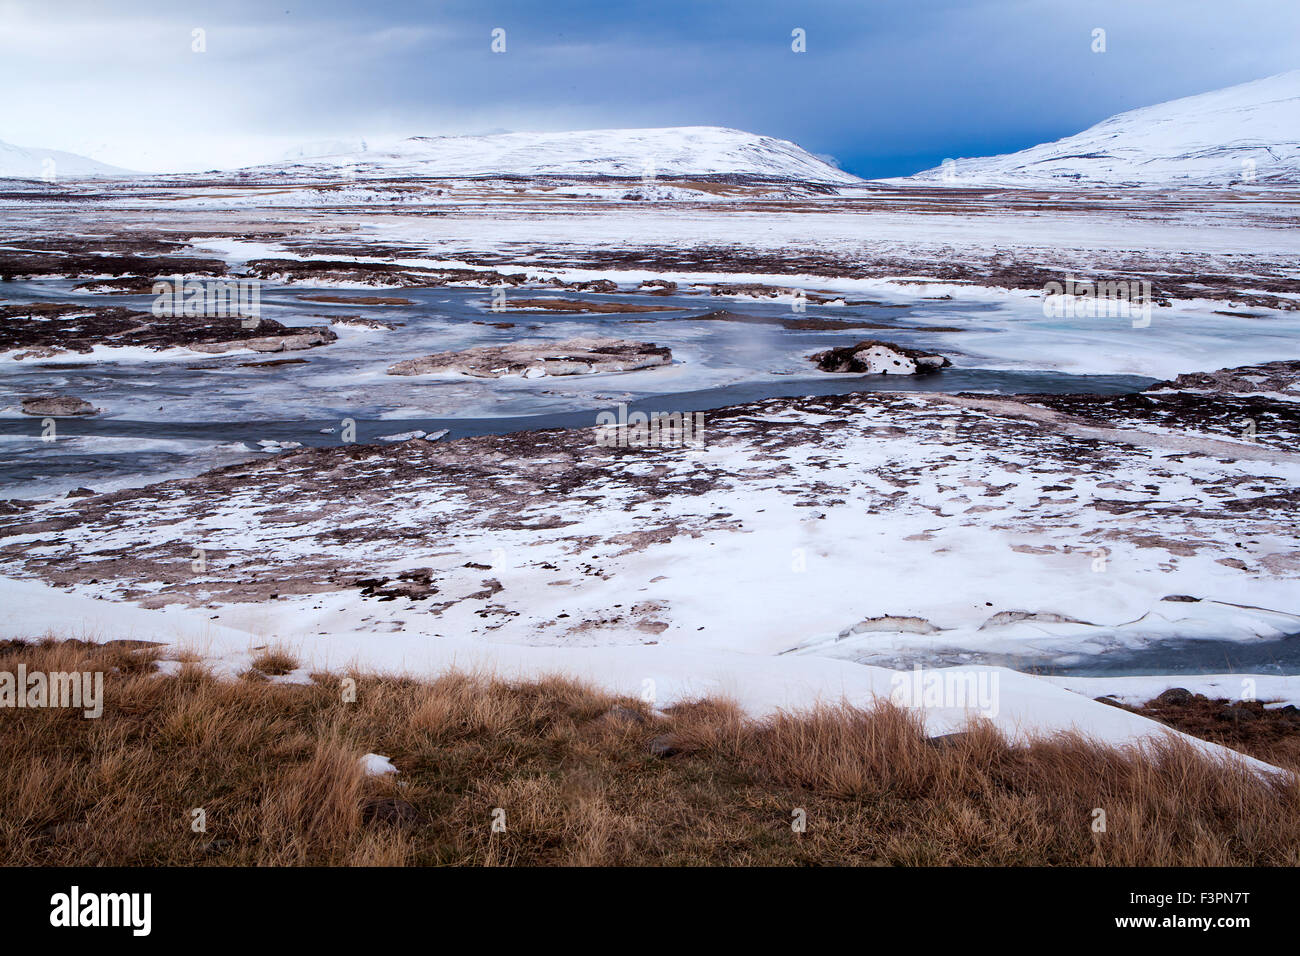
[[886, 87]]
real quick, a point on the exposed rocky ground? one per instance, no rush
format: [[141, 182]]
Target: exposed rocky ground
[[1281, 378], [324, 272], [1256, 404], [45, 329], [873, 357], [1212, 244], [536, 359], [57, 406], [124, 264], [1008, 502], [933, 513]]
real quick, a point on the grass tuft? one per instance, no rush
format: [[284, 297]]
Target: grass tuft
[[275, 662]]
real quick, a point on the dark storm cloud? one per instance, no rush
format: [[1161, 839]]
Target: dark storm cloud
[[886, 86]]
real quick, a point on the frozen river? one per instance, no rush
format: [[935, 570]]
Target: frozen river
[[179, 412]]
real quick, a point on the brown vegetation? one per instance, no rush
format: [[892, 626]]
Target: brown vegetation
[[1271, 734], [580, 777]]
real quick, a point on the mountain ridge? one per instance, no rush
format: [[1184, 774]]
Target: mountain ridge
[[673, 151], [1247, 133]]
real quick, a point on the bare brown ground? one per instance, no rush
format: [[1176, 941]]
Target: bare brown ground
[[581, 777]]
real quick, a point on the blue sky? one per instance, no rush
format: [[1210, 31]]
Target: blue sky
[[887, 87]]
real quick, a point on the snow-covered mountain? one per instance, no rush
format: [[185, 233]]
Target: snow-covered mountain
[[667, 152], [1244, 133], [18, 162]]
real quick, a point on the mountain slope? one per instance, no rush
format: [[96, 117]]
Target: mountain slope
[[670, 151], [19, 162], [1210, 139]]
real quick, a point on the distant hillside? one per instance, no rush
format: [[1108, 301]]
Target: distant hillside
[[670, 151], [20, 162], [1215, 138]]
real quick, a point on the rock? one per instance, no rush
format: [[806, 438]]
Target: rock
[[871, 357], [45, 329], [537, 359], [372, 274], [269, 343], [45, 352], [271, 446], [626, 715], [1003, 618], [390, 811], [1237, 713], [1288, 716], [80, 493], [1174, 697], [752, 289], [273, 363], [597, 285], [663, 746], [58, 406], [361, 322], [658, 287], [1281, 377], [891, 623], [404, 436], [415, 585]]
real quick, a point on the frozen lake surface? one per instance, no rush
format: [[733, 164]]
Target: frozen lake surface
[[178, 412]]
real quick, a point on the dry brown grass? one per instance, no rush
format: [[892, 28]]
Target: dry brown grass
[[275, 768], [275, 662]]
